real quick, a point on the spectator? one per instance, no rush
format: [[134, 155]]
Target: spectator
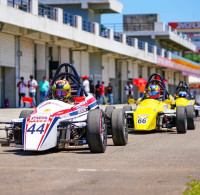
[[43, 85], [129, 90], [141, 90], [110, 93], [86, 84], [21, 89], [91, 87], [97, 90], [32, 85], [102, 93]]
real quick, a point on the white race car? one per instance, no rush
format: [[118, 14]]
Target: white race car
[[55, 123]]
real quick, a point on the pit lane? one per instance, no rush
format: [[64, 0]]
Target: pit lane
[[151, 163]]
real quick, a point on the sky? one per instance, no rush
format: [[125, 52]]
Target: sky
[[169, 10]]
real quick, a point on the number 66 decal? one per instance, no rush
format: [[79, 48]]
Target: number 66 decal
[[142, 120]]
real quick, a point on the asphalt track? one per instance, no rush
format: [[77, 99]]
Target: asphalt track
[[153, 163]]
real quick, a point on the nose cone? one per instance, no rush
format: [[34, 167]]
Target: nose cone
[[145, 115], [40, 134]]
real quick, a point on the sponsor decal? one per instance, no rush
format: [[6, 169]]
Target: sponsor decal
[[185, 25]]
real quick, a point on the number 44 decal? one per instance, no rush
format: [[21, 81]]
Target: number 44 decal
[[32, 129]]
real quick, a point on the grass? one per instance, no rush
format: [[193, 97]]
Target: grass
[[193, 187]]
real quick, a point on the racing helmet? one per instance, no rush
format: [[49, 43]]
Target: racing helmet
[[153, 91], [61, 90], [182, 94]]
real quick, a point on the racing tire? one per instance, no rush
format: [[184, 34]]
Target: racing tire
[[96, 131], [119, 132], [108, 112], [190, 117], [25, 113], [181, 119], [18, 133]]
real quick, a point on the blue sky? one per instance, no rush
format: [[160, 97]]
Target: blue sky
[[169, 10]]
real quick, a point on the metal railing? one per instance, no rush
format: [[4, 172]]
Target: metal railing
[[129, 41], [140, 45], [120, 27], [88, 26], [69, 19], [117, 36], [23, 5], [159, 53], [166, 54], [103, 31], [150, 48], [47, 11]]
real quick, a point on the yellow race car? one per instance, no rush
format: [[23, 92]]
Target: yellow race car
[[156, 113], [183, 97]]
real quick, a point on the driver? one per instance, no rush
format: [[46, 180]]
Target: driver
[[154, 91], [182, 94], [61, 90]]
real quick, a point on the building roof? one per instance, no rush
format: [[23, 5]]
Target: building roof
[[106, 6]]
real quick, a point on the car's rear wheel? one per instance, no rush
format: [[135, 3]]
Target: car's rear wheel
[[18, 133], [108, 112], [96, 131], [181, 119], [190, 111], [119, 130]]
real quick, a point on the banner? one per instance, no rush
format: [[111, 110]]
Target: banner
[[167, 63]]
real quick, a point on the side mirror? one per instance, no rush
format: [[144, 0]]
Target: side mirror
[[79, 99], [28, 100], [131, 101]]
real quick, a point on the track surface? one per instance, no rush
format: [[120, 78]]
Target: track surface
[[153, 163]]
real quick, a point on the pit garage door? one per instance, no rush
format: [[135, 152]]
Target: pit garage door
[[26, 58], [7, 50]]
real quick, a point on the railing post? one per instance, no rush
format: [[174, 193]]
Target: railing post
[[34, 7], [135, 43], [155, 52], [111, 34], [146, 47], [60, 15], [163, 53], [4, 2], [96, 28], [169, 55], [78, 22], [123, 38]]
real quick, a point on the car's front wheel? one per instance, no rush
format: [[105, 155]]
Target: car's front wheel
[[190, 111], [96, 131], [119, 130], [181, 119]]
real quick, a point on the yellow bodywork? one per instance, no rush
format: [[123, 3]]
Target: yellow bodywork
[[146, 113], [184, 102]]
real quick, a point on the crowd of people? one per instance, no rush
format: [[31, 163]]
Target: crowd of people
[[103, 94], [32, 86], [99, 90]]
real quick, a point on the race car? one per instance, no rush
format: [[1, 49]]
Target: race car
[[184, 97], [155, 113], [60, 124]]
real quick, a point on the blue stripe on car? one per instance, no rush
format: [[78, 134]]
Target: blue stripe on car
[[50, 128], [92, 105]]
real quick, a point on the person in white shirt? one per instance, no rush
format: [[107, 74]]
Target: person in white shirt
[[32, 85], [21, 89], [86, 83]]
